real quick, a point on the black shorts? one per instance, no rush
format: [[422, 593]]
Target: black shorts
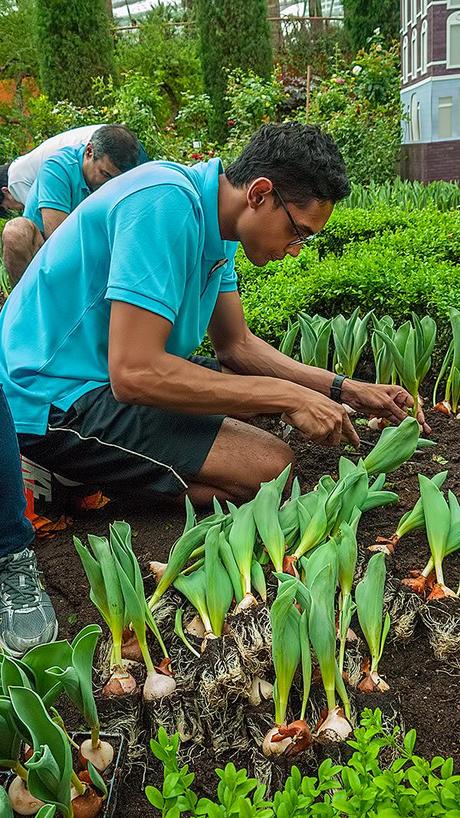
[[121, 448]]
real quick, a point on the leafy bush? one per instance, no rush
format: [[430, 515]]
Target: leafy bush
[[138, 103], [359, 107], [410, 785], [165, 54], [318, 47], [47, 118], [251, 101]]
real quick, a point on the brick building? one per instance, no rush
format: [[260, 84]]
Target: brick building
[[430, 89]]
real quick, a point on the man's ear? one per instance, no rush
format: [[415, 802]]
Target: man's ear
[[89, 151], [5, 190], [257, 191]]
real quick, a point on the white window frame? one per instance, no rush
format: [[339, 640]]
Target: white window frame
[[449, 105], [414, 119], [414, 11], [424, 47], [425, 7], [452, 21], [413, 54], [453, 4], [405, 59]]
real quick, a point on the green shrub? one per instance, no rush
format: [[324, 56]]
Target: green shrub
[[251, 101], [426, 233], [408, 786], [166, 54], [359, 106], [393, 262]]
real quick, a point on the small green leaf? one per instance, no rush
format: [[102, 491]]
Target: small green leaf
[[155, 797], [409, 742], [97, 780]]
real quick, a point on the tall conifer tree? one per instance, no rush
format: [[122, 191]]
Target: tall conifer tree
[[76, 45], [362, 17], [233, 34]]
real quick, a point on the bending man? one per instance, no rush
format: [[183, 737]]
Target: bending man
[[95, 341], [64, 180]]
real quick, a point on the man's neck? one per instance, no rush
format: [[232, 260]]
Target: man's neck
[[231, 202]]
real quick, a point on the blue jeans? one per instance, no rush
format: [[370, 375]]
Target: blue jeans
[[16, 532]]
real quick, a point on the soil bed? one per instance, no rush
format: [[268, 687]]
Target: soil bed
[[424, 689]]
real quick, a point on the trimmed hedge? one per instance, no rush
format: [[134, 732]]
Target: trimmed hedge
[[388, 260]]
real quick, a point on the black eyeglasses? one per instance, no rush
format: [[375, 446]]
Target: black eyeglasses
[[301, 240]]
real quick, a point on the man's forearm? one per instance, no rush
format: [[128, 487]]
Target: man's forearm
[[180, 385], [255, 357]]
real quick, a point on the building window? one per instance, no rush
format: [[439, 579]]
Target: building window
[[413, 56], [453, 4], [414, 119], [424, 7], [424, 47], [419, 6], [405, 59], [408, 10], [414, 11], [453, 40], [445, 117]]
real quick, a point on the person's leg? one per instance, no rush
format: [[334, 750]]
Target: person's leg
[[240, 459], [26, 614], [128, 449], [21, 240]]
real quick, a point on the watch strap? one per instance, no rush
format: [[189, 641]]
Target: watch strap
[[336, 388]]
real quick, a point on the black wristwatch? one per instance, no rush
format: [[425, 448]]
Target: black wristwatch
[[336, 388]]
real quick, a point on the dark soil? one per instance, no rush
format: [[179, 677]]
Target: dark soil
[[424, 689]]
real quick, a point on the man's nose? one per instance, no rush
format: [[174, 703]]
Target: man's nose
[[294, 250]]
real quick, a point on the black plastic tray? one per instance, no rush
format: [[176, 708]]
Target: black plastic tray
[[112, 778]]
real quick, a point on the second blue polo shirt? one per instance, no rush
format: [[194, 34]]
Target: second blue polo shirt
[[60, 184]]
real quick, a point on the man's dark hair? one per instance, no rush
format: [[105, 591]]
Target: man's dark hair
[[119, 144], [3, 183], [302, 162]]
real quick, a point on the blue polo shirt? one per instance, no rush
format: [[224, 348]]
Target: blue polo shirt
[[149, 237], [60, 184]]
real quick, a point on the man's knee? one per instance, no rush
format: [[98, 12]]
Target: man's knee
[[21, 240]]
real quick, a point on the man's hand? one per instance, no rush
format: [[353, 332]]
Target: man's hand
[[322, 421], [381, 400]]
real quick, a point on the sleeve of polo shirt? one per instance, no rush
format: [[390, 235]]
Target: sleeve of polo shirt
[[53, 186], [229, 282], [155, 236]]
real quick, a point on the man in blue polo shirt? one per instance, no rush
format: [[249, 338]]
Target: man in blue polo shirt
[[64, 180], [97, 339]]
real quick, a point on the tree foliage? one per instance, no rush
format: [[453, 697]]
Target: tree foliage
[[76, 45], [164, 53], [362, 17], [18, 54], [233, 34]]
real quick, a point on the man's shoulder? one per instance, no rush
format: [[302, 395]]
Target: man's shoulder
[[67, 157]]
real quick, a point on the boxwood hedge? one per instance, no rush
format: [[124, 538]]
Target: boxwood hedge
[[389, 260]]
